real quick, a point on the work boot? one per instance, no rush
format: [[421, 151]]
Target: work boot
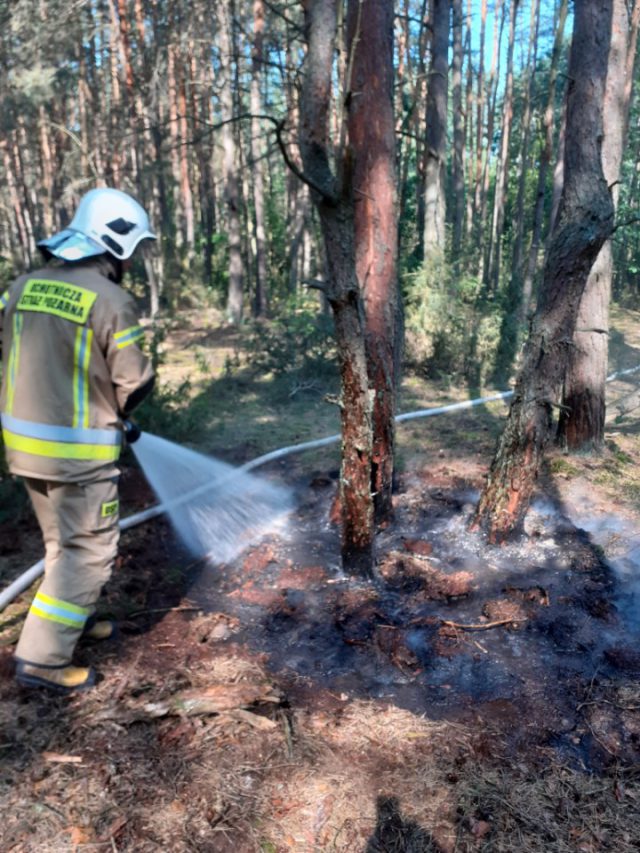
[[63, 679], [99, 629]]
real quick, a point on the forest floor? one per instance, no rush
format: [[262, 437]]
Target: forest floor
[[470, 699]]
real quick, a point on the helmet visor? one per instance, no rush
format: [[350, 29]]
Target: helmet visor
[[70, 245]]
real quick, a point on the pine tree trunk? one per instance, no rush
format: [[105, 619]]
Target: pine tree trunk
[[512, 328], [581, 425], [469, 133], [231, 177], [502, 168], [436, 133], [585, 221], [370, 40], [257, 168], [492, 95], [333, 197], [458, 130], [207, 186], [16, 204], [186, 195], [543, 169], [480, 103], [114, 158], [177, 230], [530, 91]]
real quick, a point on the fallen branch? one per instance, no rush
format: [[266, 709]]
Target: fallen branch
[[481, 626], [263, 724], [163, 610], [608, 702], [228, 699], [58, 758], [624, 405]]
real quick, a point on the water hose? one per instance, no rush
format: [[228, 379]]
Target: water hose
[[25, 580]]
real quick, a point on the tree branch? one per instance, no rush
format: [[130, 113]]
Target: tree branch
[[279, 127], [632, 221], [315, 284]]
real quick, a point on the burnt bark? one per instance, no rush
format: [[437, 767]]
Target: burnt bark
[[370, 36], [585, 221], [333, 197]]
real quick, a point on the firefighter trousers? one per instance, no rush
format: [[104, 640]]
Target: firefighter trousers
[[79, 523]]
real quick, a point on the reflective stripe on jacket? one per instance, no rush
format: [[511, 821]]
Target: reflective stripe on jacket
[[71, 361]]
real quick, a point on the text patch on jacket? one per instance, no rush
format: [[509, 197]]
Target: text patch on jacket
[[57, 297]]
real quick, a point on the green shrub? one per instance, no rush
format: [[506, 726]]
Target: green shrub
[[169, 412], [298, 340], [450, 330], [6, 274]]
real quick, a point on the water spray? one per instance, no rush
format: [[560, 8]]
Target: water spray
[[32, 574]]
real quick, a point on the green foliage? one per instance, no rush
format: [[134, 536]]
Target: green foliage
[[169, 412], [298, 340], [34, 84], [620, 457], [279, 249], [6, 274], [562, 467], [194, 284], [153, 344], [450, 330]]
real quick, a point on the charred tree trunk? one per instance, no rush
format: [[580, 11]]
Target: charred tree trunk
[[585, 221], [370, 39], [333, 197], [581, 425]]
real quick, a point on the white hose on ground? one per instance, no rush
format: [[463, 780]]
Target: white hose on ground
[[25, 580]]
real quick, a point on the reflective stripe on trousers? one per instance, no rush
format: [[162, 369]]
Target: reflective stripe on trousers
[[81, 545]]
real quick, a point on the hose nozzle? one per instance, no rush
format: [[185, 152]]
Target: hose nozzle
[[132, 431]]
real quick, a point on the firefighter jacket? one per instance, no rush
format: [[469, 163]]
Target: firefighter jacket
[[72, 367]]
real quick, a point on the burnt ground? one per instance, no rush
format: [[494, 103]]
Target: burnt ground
[[468, 698]]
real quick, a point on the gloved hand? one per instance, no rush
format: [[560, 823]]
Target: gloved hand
[[132, 431]]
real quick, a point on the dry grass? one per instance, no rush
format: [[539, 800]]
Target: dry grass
[[556, 809]]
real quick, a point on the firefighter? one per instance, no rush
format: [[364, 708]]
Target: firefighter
[[73, 370]]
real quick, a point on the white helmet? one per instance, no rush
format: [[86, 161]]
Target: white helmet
[[106, 220]]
